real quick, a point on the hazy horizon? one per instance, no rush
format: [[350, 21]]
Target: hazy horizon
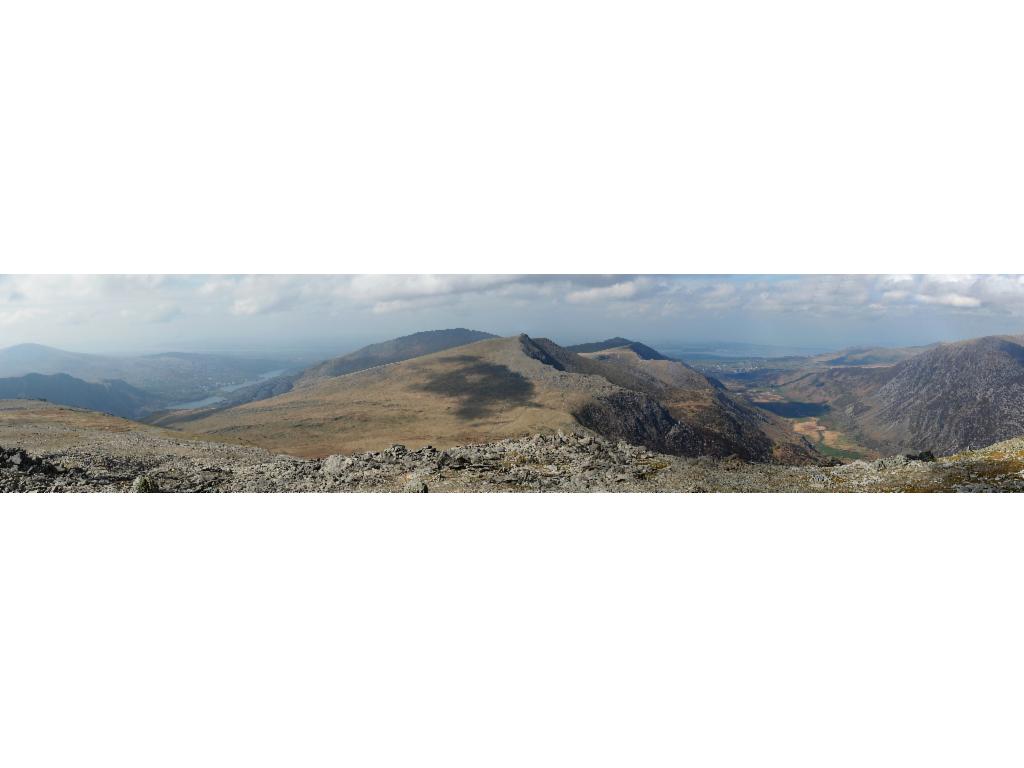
[[321, 315]]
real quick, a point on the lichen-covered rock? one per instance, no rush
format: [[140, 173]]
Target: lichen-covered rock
[[143, 484], [415, 486], [336, 464]]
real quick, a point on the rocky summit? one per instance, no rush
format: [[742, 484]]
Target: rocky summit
[[578, 462]]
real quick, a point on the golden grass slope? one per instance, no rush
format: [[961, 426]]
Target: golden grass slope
[[476, 393]]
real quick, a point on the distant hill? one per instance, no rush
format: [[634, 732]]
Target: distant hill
[[36, 358], [946, 399], [171, 376], [492, 389], [115, 397], [642, 350], [394, 351], [862, 356]]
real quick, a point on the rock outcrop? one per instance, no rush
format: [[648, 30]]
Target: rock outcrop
[[540, 463]]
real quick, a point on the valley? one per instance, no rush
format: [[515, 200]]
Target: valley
[[940, 397]]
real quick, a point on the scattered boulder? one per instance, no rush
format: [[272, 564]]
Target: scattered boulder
[[144, 484], [415, 486], [20, 461], [576, 462], [336, 464], [922, 456], [891, 462]]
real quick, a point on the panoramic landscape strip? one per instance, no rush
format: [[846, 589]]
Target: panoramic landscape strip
[[574, 383]]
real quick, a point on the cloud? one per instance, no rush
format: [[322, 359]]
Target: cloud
[[950, 300], [19, 316], [165, 314], [615, 292], [323, 301]]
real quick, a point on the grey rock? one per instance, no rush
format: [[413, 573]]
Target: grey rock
[[143, 484], [415, 486], [336, 464]]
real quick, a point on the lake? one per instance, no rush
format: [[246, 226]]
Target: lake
[[214, 399]]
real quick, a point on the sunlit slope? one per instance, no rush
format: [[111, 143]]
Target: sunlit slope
[[479, 392], [484, 391]]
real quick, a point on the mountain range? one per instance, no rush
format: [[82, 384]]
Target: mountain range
[[502, 387], [168, 377], [458, 386]]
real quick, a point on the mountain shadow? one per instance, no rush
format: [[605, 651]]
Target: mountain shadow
[[480, 387]]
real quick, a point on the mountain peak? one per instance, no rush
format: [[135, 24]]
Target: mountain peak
[[640, 350], [28, 345]]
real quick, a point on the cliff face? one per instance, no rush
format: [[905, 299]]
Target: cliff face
[[947, 399], [954, 397]]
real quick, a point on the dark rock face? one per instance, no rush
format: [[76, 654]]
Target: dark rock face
[[952, 398], [641, 420], [922, 456], [630, 416], [542, 352], [636, 414]]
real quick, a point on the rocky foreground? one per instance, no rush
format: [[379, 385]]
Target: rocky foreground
[[104, 461]]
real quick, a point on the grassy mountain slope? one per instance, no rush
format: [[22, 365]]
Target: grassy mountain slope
[[384, 353], [394, 351], [491, 389]]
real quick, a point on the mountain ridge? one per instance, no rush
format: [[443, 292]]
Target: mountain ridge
[[494, 388]]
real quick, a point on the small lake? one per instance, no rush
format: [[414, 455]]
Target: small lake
[[792, 409], [214, 399]]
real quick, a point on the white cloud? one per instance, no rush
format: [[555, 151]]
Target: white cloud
[[115, 305], [950, 300], [615, 292], [18, 316]]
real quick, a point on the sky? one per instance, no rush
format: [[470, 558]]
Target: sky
[[332, 314]]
